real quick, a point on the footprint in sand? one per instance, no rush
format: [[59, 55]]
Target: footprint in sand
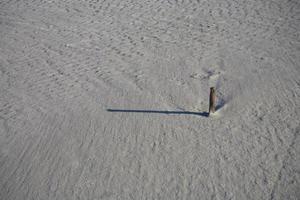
[[210, 75]]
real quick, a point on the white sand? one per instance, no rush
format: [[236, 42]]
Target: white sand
[[107, 99]]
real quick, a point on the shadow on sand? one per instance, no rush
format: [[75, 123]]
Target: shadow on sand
[[203, 114]]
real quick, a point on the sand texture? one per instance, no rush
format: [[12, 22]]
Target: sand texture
[[108, 99]]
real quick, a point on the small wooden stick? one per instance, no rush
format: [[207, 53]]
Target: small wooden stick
[[212, 100]]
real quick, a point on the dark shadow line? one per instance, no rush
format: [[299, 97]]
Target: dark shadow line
[[203, 114]]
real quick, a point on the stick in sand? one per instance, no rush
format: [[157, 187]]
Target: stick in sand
[[212, 100]]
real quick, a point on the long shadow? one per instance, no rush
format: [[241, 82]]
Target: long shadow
[[203, 114]]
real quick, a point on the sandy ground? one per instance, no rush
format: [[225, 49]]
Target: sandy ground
[[108, 99]]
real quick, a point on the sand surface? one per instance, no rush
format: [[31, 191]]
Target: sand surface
[[108, 99]]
